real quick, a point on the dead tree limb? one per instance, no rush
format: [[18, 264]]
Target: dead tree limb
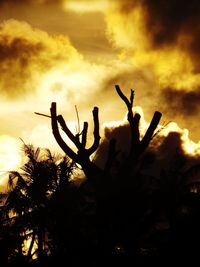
[[54, 123], [82, 156], [95, 144], [138, 146], [150, 131]]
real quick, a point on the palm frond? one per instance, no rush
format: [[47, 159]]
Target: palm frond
[[49, 154], [31, 152], [17, 202], [12, 176], [28, 168]]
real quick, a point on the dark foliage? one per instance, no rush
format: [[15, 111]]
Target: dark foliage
[[122, 218]]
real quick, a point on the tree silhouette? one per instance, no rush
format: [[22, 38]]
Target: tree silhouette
[[122, 217], [115, 196], [119, 217], [29, 205], [92, 171]]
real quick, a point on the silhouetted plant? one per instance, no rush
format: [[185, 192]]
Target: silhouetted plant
[[122, 200], [112, 217], [30, 204]]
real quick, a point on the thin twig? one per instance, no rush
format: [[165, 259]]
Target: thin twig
[[78, 130], [41, 114]]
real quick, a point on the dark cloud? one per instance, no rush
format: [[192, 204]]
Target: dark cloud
[[170, 23], [181, 102], [26, 54], [175, 23], [169, 145], [16, 56], [122, 134], [169, 154], [166, 19], [16, 2], [13, 1], [169, 54], [165, 152], [18, 48]]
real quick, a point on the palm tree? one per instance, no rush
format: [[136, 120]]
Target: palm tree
[[31, 195]]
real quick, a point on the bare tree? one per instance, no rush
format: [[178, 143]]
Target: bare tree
[[113, 206], [83, 155]]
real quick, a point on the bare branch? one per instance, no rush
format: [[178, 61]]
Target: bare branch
[[72, 137], [41, 114], [84, 134], [97, 137], [133, 120], [161, 128], [122, 96], [57, 135], [132, 98], [78, 129], [150, 131]]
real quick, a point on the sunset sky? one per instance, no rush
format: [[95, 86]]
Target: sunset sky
[[73, 52]]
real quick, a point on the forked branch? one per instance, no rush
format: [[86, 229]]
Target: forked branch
[[150, 131], [82, 154], [54, 123], [95, 144], [137, 146]]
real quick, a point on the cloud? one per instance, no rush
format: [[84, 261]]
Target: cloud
[[40, 136], [10, 158], [169, 144], [18, 2], [182, 101], [174, 23], [128, 28], [166, 22], [38, 67], [86, 6], [160, 39], [26, 54]]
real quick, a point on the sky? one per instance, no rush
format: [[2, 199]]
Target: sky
[[74, 52]]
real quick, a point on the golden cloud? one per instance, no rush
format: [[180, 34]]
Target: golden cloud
[[85, 6], [161, 39], [129, 30], [27, 53], [182, 100], [10, 158]]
